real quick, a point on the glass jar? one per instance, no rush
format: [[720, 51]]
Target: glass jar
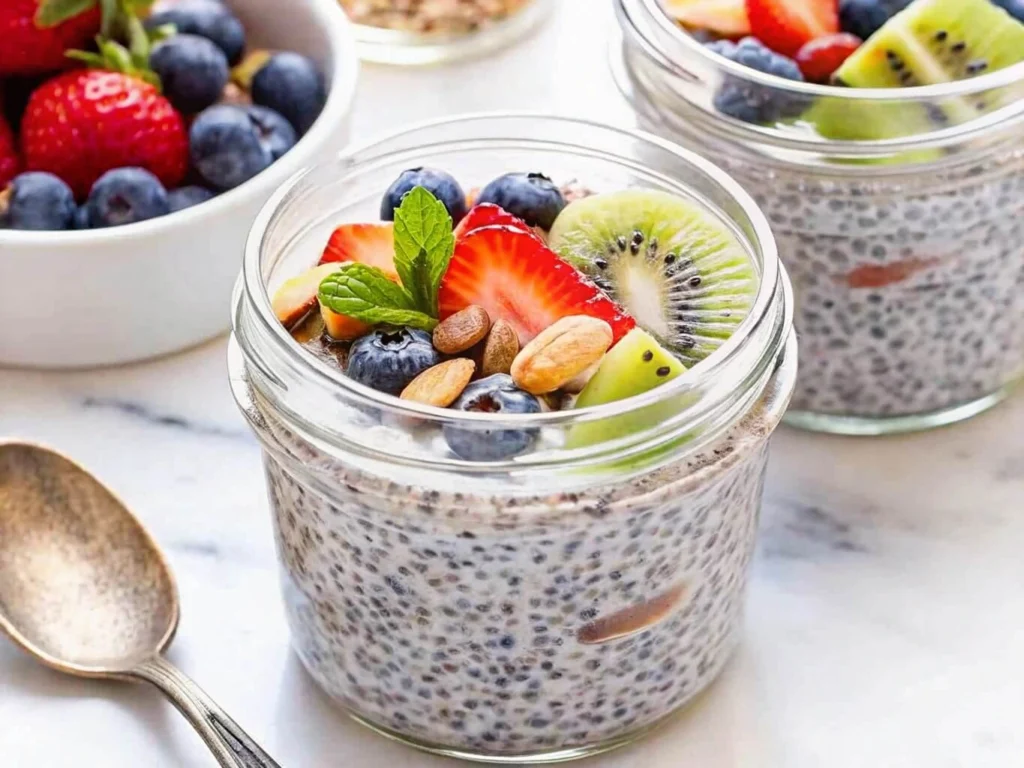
[[420, 32], [544, 607], [902, 237]]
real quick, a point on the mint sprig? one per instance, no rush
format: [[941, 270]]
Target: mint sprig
[[365, 293], [424, 243]]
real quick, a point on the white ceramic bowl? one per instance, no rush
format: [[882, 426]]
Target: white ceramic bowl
[[99, 297]]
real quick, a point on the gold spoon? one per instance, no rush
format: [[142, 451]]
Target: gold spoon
[[85, 590]]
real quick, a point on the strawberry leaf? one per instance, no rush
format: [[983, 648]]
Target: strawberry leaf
[[54, 12], [424, 243], [365, 293]]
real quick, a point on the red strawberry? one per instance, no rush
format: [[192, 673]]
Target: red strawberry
[[785, 25], [81, 124], [486, 215], [370, 244], [28, 48], [10, 164], [514, 276], [723, 17], [819, 58]]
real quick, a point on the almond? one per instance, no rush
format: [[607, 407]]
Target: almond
[[560, 353], [442, 384], [462, 330], [500, 349]]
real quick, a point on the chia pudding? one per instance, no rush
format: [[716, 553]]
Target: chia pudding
[[898, 216], [524, 570]]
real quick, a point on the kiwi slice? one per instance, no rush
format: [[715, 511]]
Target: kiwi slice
[[676, 269], [637, 364], [929, 42]]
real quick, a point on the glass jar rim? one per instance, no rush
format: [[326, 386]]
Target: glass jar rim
[[255, 289], [691, 47]]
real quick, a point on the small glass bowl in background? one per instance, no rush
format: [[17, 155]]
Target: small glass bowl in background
[[410, 47]]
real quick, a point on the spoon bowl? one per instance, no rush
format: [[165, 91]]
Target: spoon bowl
[[85, 590]]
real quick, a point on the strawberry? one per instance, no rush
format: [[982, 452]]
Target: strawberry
[[821, 57], [370, 244], [723, 17], [28, 47], [10, 164], [486, 215], [517, 278], [786, 25], [81, 124]]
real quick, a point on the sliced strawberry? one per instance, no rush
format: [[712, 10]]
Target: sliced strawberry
[[786, 25], [515, 277], [370, 244], [820, 58], [727, 18], [487, 215]]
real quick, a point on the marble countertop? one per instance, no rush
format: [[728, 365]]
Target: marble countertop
[[885, 624]]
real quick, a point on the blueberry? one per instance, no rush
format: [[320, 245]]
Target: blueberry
[[440, 184], [496, 394], [750, 102], [229, 144], [533, 197], [125, 196], [206, 18], [81, 218], [292, 85], [193, 71], [38, 201], [387, 359], [865, 17], [1014, 7], [185, 197]]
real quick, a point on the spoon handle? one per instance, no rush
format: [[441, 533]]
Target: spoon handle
[[229, 743]]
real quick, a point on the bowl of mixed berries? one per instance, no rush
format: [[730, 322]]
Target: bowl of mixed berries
[[137, 141]]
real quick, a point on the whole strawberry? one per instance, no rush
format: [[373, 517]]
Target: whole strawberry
[[9, 162], [28, 45], [81, 124]]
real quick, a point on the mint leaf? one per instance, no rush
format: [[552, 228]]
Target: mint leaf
[[423, 246], [365, 293], [53, 12]]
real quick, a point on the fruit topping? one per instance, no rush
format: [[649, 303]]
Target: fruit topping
[[440, 184], [865, 17], [500, 349], [290, 84], [388, 359], [37, 201], [342, 327], [499, 395], [81, 124], [231, 144], [370, 244], [673, 266], [727, 18], [185, 197], [531, 197], [207, 18], [460, 331], [10, 162], [36, 34], [560, 353], [296, 297], [786, 25], [515, 277], [441, 385], [125, 196], [192, 71], [751, 102], [487, 215], [820, 58]]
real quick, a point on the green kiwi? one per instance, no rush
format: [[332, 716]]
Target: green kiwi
[[637, 364], [929, 42], [673, 266]]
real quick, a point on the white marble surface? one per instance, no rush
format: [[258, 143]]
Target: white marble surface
[[886, 618]]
